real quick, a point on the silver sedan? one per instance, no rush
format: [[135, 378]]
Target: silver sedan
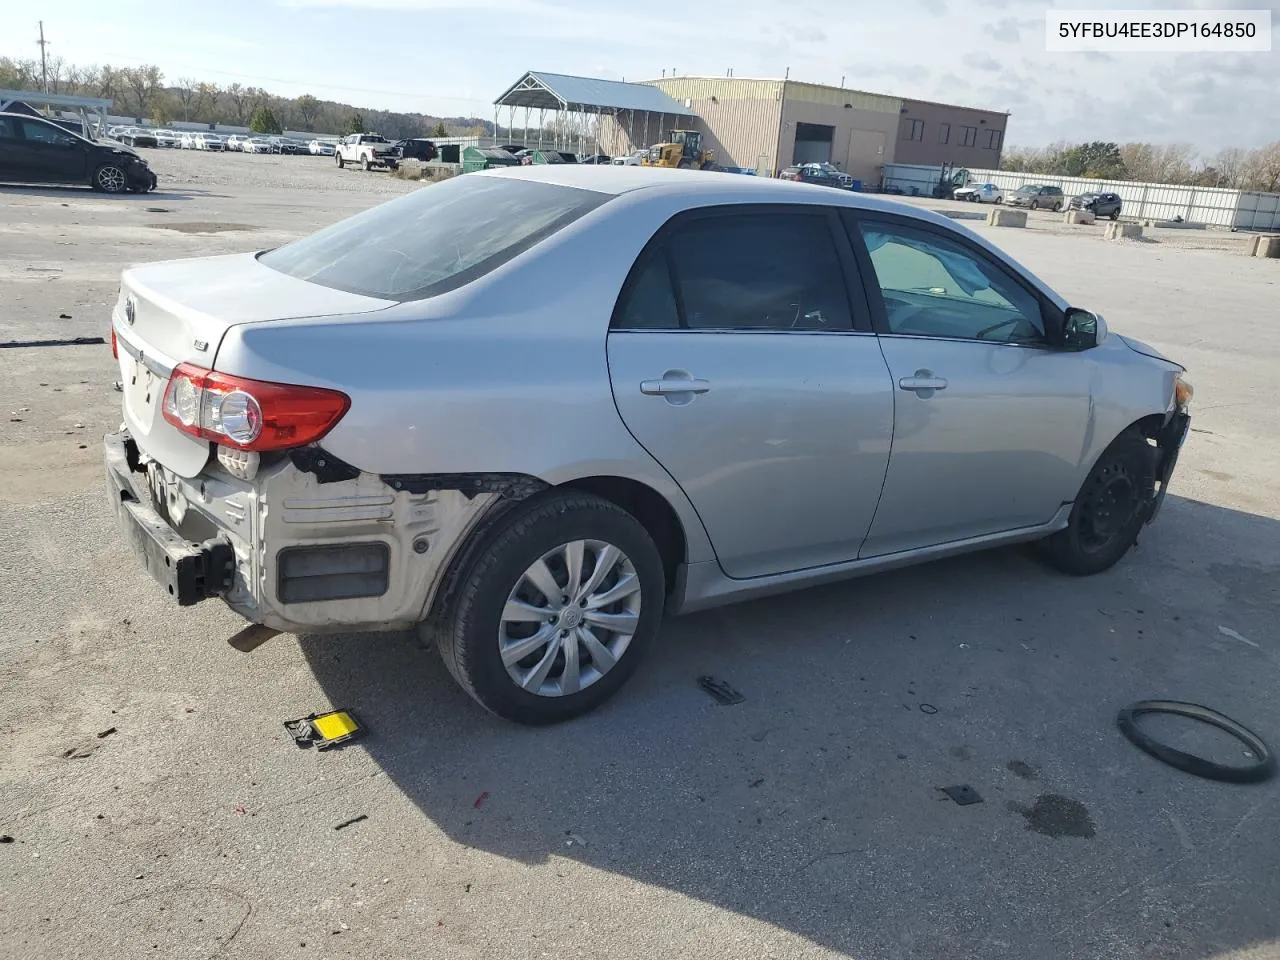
[[532, 411]]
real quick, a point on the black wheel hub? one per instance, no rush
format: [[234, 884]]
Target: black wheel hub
[[1109, 505]]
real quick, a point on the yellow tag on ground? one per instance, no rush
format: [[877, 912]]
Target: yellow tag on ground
[[331, 726]]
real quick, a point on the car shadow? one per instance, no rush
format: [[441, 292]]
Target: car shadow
[[65, 191], [814, 804]]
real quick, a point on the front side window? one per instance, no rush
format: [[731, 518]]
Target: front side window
[[759, 271], [433, 240], [37, 132], [8, 128], [935, 287]]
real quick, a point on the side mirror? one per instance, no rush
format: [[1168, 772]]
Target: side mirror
[[1082, 330]]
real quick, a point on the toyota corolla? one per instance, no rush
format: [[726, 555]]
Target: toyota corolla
[[530, 412]]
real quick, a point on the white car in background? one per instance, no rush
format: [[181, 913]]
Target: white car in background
[[320, 148], [166, 138], [236, 141], [630, 161], [209, 141], [256, 145], [980, 193]]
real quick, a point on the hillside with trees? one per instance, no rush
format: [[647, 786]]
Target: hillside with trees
[[145, 93], [1257, 169]]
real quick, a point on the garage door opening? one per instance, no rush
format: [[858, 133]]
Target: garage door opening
[[813, 143]]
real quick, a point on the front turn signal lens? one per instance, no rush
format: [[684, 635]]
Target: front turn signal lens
[[1183, 392]]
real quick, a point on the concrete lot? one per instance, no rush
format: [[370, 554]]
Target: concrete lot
[[803, 822]]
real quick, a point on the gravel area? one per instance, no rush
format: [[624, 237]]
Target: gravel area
[[253, 171]]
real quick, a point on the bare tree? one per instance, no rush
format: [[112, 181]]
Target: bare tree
[[56, 69], [1230, 164], [1263, 168], [206, 102], [239, 98], [307, 107], [186, 95]]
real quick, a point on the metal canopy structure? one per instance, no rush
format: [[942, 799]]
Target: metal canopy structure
[[82, 106], [556, 91], [576, 105]]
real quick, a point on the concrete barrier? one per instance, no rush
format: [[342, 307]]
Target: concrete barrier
[[1004, 217], [1119, 230], [1078, 216], [1267, 246]]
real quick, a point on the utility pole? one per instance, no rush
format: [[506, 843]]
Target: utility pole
[[44, 70]]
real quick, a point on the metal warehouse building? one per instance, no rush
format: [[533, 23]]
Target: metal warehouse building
[[764, 125]]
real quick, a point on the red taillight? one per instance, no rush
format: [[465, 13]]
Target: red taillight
[[249, 414], [115, 350]]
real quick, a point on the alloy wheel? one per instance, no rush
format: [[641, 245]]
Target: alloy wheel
[[111, 179], [569, 618]]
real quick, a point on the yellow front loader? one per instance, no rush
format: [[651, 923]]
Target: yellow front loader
[[682, 149]]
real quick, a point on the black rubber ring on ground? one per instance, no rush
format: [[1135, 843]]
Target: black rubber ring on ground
[[1263, 769]]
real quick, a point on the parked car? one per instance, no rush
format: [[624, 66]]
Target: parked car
[[416, 148], [137, 137], [1102, 204], [211, 141], [166, 138], [257, 145], [631, 160], [369, 150], [187, 141], [1037, 196], [830, 170], [370, 392], [568, 156], [320, 148], [235, 142], [980, 193], [815, 174], [596, 159], [34, 150]]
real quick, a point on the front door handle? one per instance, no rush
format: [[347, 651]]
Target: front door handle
[[669, 386], [922, 383]]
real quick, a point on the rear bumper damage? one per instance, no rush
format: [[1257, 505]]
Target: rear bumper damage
[[300, 547]]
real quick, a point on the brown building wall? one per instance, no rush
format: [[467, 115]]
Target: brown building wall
[[739, 118], [863, 126], [932, 122]]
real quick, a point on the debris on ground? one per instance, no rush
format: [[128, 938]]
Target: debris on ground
[[484, 795], [5, 838], [1228, 632], [928, 708], [962, 794], [573, 838], [103, 734], [721, 691], [346, 823], [324, 730]]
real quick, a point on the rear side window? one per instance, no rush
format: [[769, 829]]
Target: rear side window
[[759, 271], [434, 240]]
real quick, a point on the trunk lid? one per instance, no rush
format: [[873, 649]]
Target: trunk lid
[[177, 312]]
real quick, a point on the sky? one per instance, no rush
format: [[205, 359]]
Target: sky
[[454, 57]]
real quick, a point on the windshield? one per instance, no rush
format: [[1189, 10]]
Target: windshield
[[1028, 188], [373, 138], [435, 239]]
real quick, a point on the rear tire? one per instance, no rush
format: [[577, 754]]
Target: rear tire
[[1057, 207], [1113, 504], [1035, 205], [472, 631], [1115, 214], [338, 159], [366, 164]]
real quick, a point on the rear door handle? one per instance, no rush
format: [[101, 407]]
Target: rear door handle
[[667, 387]]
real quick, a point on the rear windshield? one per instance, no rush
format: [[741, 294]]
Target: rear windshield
[[436, 239]]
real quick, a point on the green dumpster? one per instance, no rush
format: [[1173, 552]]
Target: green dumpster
[[486, 158]]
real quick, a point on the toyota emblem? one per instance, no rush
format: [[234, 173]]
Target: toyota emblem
[[129, 308]]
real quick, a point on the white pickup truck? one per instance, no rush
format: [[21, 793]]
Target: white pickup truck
[[367, 149]]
